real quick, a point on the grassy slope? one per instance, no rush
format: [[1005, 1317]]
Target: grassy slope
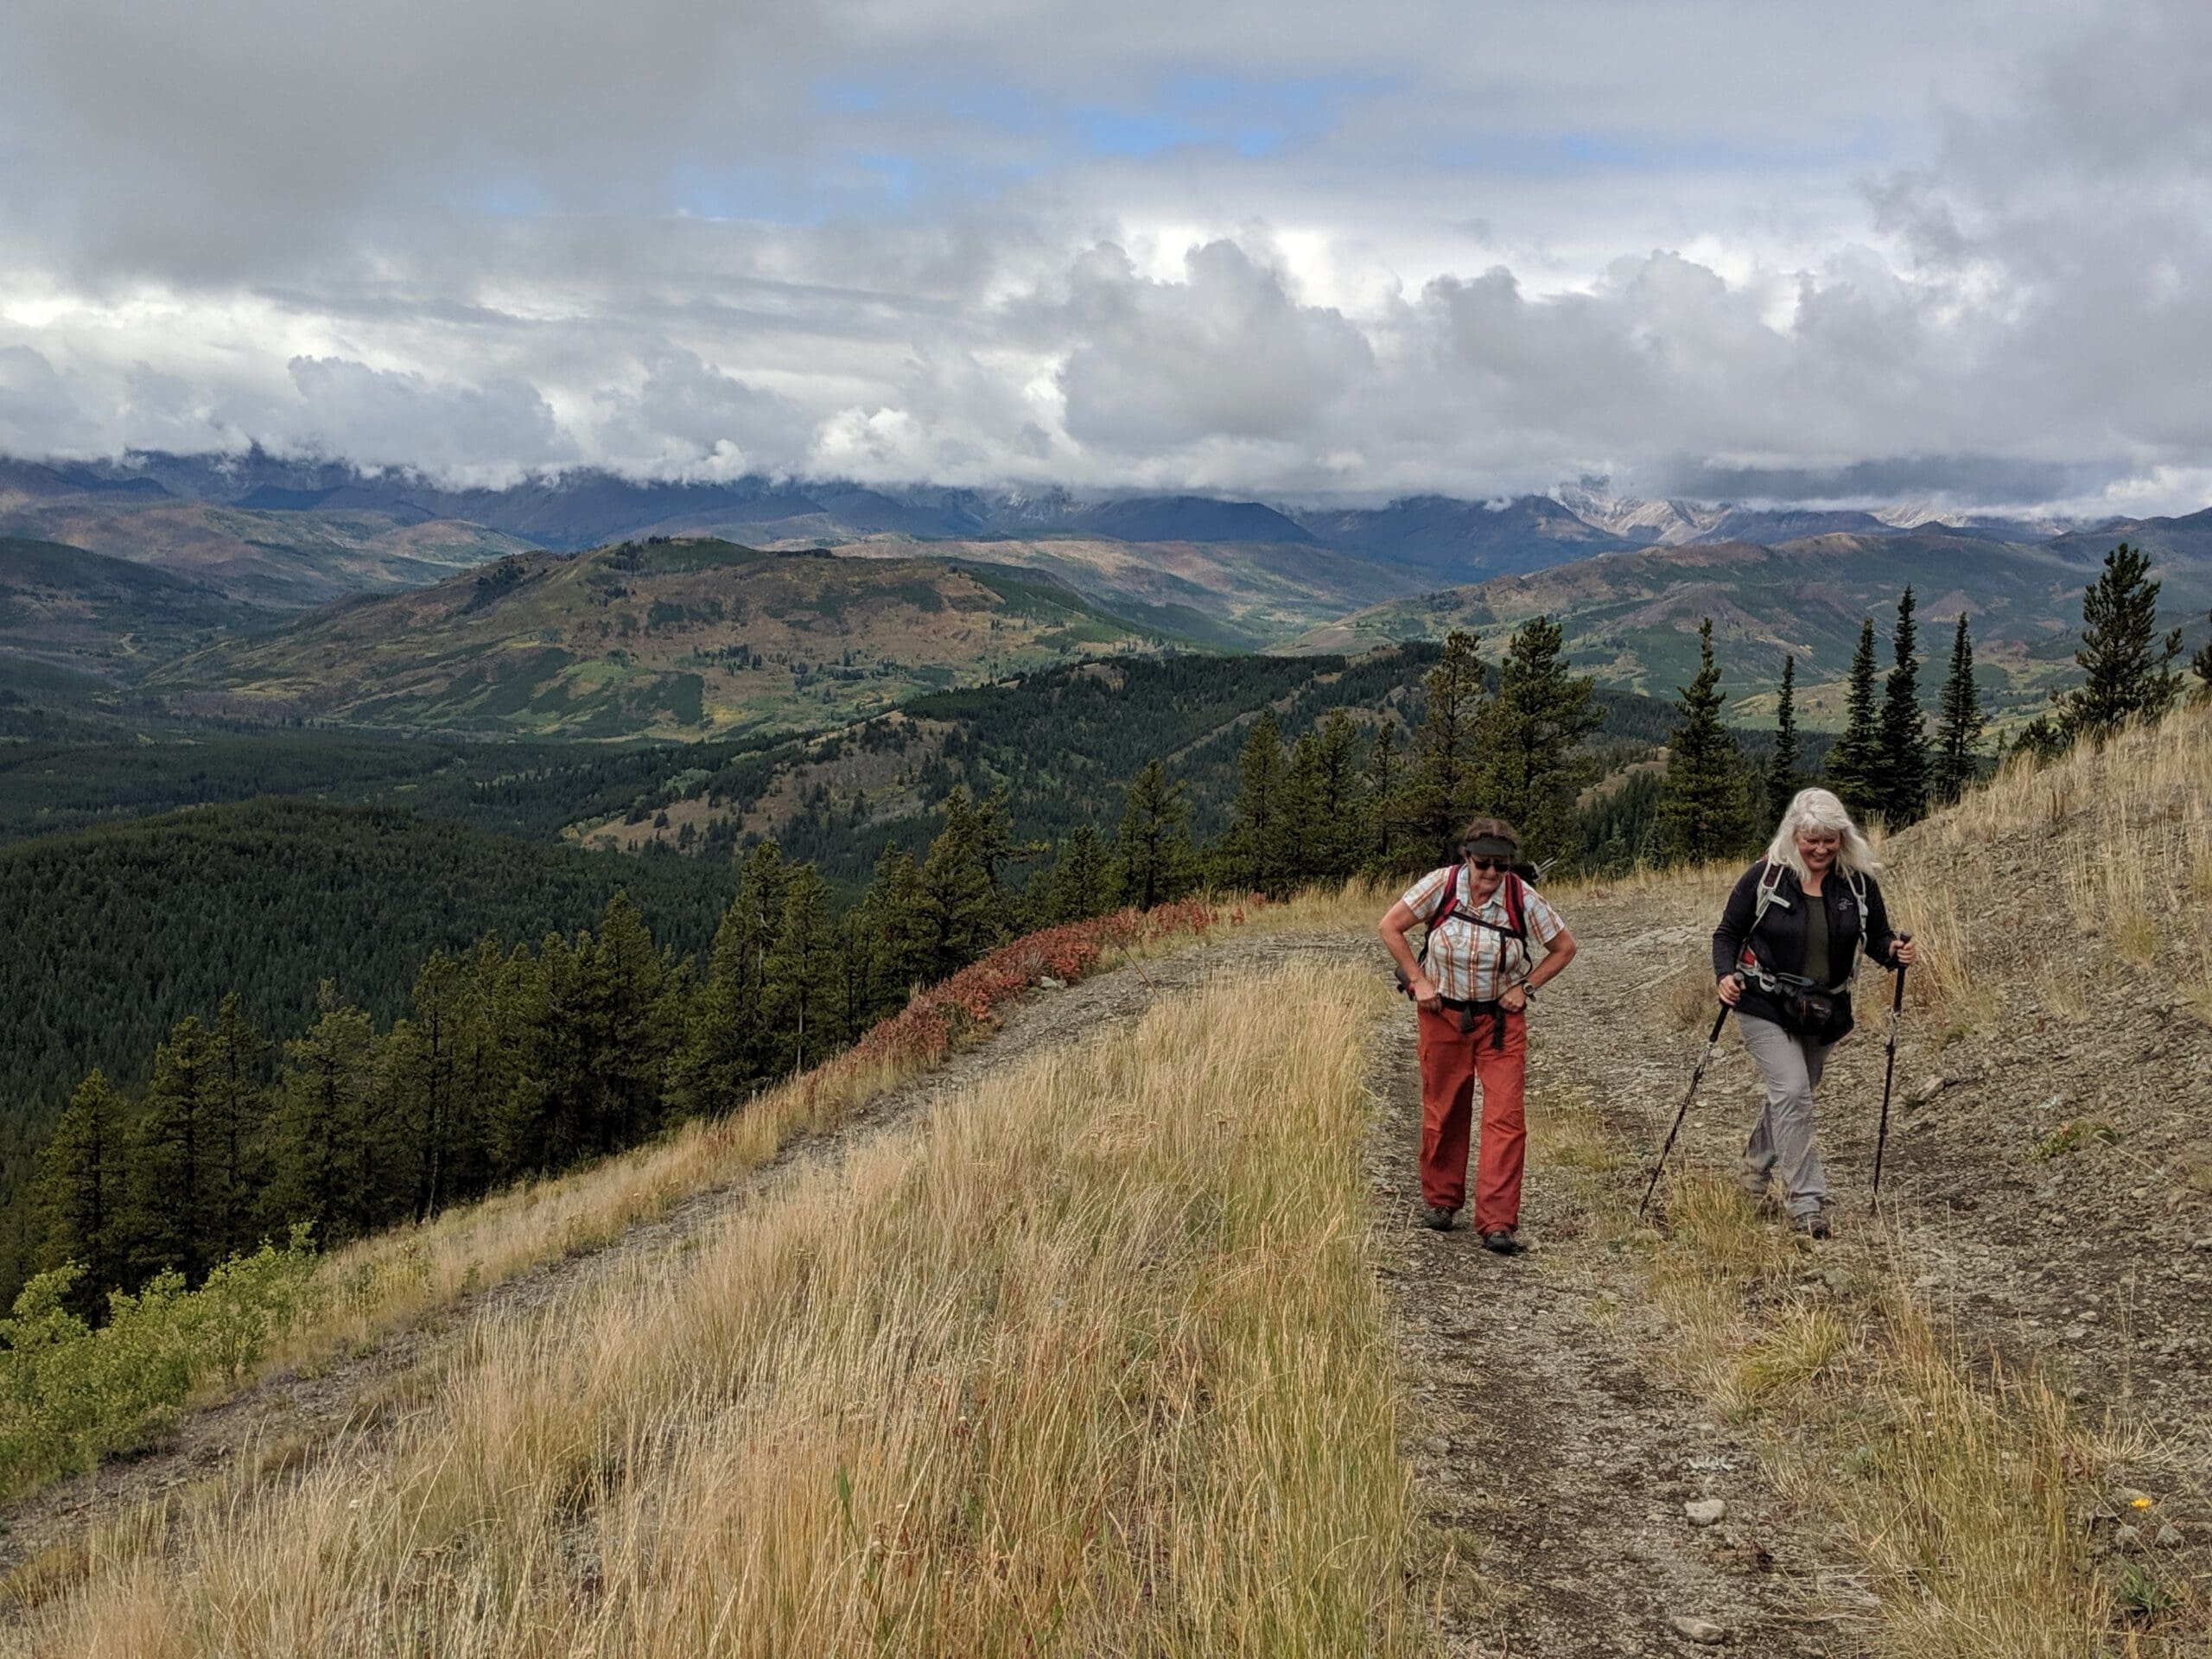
[[68, 609], [683, 638], [1106, 1366], [285, 560], [1632, 619]]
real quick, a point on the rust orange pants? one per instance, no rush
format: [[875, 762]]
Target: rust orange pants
[[1452, 1061]]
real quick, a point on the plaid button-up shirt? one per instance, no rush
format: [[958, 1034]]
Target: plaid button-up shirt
[[1469, 963]]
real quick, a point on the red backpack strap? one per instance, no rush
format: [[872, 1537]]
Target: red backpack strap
[[1444, 911], [1517, 905]]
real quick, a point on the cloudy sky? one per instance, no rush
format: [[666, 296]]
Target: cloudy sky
[[1958, 252]]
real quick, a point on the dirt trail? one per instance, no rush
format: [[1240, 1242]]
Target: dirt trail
[[1548, 1447], [289, 1420]]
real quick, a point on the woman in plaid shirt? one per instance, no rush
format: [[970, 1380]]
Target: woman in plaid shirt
[[1472, 985]]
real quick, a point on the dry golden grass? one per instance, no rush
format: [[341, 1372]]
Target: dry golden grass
[[1095, 1363], [1959, 1494]]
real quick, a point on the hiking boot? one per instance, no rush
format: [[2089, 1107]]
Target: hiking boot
[[1437, 1217], [1813, 1226], [1501, 1242]]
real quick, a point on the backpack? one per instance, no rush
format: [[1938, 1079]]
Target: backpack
[[1516, 889]]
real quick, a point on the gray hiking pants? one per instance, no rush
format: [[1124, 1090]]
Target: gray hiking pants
[[1782, 1149]]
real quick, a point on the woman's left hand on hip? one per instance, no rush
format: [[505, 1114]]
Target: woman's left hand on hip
[[1513, 999]]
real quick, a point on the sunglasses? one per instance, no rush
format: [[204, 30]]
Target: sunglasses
[[1499, 864]]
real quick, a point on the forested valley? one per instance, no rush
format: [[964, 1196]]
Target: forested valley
[[239, 1019]]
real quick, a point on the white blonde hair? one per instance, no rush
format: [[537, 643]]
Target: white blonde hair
[[1818, 809]]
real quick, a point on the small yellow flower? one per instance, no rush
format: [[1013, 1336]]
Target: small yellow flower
[[2140, 1502]]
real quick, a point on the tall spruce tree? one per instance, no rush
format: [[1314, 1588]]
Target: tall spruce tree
[[1440, 789], [82, 1193], [1854, 759], [1385, 769], [802, 973], [1079, 884], [238, 1104], [1253, 848], [321, 1124], [2126, 669], [1960, 723], [1902, 752], [1784, 780], [1305, 839], [1339, 799], [2201, 666], [1152, 849], [959, 901], [172, 1208], [1526, 737], [1703, 807]]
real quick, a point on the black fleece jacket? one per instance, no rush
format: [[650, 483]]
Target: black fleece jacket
[[1779, 946]]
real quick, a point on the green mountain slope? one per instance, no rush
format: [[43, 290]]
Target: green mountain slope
[[281, 561], [63, 607], [1631, 619], [664, 639]]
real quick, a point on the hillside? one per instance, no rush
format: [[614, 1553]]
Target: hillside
[[70, 609], [668, 638], [118, 932], [1152, 1246], [277, 560], [1631, 620], [1241, 594]]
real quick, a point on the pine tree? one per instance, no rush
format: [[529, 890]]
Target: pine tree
[[1340, 806], [2201, 666], [1253, 849], [2127, 669], [893, 906], [1078, 884], [1385, 771], [959, 902], [1854, 770], [419, 1059], [1782, 778], [320, 1124], [1959, 731], [626, 1004], [1703, 806], [1302, 846], [802, 973], [80, 1193], [174, 1222], [237, 1105], [1526, 737], [1901, 752], [725, 1049], [1153, 850], [1440, 791]]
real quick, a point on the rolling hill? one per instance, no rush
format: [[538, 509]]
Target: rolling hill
[[64, 607], [681, 639], [1631, 620]]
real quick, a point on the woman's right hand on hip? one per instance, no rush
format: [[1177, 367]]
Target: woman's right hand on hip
[[1425, 995], [1730, 987]]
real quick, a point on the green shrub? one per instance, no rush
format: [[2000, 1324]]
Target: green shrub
[[71, 1395]]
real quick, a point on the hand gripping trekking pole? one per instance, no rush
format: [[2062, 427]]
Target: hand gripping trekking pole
[[1696, 1077], [1889, 1077]]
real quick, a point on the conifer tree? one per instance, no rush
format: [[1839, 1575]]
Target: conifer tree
[[1079, 884], [319, 1125], [1854, 759], [174, 1222], [1782, 778], [1153, 850], [725, 1049], [1439, 790], [893, 906], [80, 1193], [1526, 737], [627, 1006], [2201, 666], [1253, 848], [1902, 752], [1302, 846], [802, 973], [1959, 729], [1340, 807], [1703, 806], [2127, 669], [419, 1059], [958, 901], [1385, 771], [239, 1090]]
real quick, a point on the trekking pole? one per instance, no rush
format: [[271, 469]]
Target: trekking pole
[[1696, 1077], [1889, 1077]]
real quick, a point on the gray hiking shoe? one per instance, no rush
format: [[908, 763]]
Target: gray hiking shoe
[[1813, 1226], [1437, 1218]]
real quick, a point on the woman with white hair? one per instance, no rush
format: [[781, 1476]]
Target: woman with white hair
[[1785, 954]]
